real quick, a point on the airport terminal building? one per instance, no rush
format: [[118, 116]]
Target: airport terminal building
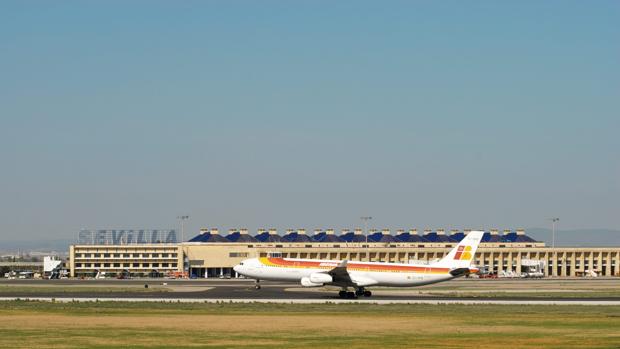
[[210, 254]]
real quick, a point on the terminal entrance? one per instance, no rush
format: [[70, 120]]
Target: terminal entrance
[[221, 273], [195, 273]]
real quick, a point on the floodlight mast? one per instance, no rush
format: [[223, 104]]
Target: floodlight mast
[[553, 221]]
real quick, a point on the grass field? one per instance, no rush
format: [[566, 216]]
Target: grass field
[[140, 325]]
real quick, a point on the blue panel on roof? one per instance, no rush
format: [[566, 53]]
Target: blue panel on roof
[[319, 237], [262, 236], [233, 237], [296, 237], [388, 238], [375, 237], [208, 237], [352, 237], [408, 237], [380, 237], [524, 238], [403, 237], [457, 236], [289, 237], [266, 237], [331, 238], [195, 238], [238, 237], [431, 236], [443, 238], [494, 238], [347, 237], [510, 237]]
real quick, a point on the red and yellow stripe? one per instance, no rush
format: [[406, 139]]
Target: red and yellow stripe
[[351, 266]]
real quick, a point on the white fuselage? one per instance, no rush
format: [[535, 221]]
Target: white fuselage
[[361, 273]]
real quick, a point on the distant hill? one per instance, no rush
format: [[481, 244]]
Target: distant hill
[[60, 245], [577, 237]]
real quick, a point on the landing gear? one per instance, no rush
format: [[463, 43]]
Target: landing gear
[[362, 292], [347, 294], [257, 285], [359, 292]]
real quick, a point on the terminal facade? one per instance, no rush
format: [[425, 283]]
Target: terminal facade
[[210, 254]]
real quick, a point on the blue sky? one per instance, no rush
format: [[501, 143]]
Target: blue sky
[[308, 114]]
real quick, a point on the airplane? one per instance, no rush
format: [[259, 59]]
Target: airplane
[[359, 275]]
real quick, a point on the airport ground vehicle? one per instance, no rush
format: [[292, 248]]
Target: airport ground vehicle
[[177, 275]]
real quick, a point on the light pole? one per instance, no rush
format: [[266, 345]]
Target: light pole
[[366, 219], [553, 221], [182, 219]]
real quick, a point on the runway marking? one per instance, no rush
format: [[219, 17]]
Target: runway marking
[[314, 301]]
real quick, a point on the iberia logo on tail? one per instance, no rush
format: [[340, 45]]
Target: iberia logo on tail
[[463, 253]]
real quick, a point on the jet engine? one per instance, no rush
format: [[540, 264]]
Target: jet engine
[[320, 278], [305, 282], [316, 279]]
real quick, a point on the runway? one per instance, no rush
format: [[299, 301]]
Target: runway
[[239, 290], [320, 301]]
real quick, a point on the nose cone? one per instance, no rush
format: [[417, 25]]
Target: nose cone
[[237, 268]]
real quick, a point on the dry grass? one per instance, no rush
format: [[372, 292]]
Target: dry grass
[[33, 324], [220, 323]]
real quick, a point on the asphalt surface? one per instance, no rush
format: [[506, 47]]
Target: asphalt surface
[[236, 289], [219, 289]]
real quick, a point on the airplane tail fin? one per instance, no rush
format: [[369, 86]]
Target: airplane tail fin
[[463, 254]]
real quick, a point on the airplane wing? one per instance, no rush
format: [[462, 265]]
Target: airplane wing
[[342, 277]]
